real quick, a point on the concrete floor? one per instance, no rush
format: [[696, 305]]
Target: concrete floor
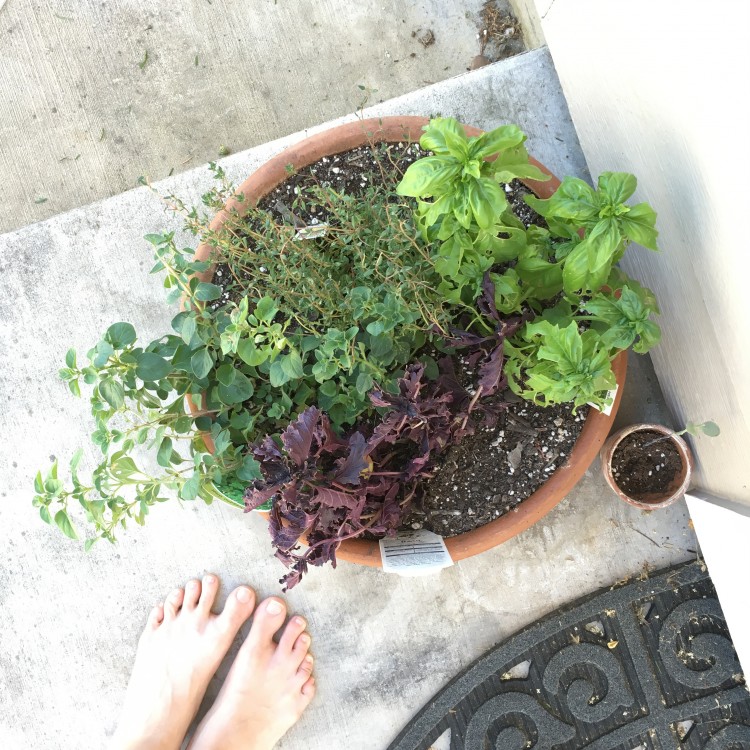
[[84, 112], [383, 644]]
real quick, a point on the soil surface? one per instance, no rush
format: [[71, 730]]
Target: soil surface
[[491, 472], [639, 468]]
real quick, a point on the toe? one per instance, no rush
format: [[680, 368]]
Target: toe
[[209, 589], [305, 670], [300, 649], [294, 628], [238, 608], [173, 604], [268, 618], [155, 617], [192, 593], [308, 689]]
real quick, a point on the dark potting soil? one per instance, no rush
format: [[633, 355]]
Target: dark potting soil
[[491, 472], [639, 468]]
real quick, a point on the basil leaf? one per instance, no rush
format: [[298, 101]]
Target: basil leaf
[[487, 201], [639, 225], [435, 136], [617, 186], [497, 140], [429, 176]]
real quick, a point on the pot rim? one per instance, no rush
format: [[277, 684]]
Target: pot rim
[[597, 425], [660, 500]]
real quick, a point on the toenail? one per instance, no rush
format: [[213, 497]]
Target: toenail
[[300, 621], [308, 660], [193, 584], [274, 608], [209, 580], [243, 595], [175, 595], [305, 639]]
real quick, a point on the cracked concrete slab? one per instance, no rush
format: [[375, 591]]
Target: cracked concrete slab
[[383, 644]]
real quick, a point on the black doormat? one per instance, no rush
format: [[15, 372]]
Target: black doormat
[[648, 666]]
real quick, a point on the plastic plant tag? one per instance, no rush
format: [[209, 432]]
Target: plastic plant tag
[[611, 396], [414, 553], [311, 232]]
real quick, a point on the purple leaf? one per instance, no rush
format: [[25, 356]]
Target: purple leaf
[[459, 339], [491, 375], [255, 497], [351, 467], [473, 359], [416, 465], [391, 513], [411, 383], [298, 436], [387, 431], [267, 450], [287, 528], [326, 438], [291, 579], [356, 513], [334, 498], [325, 552], [448, 382], [381, 398], [486, 300]]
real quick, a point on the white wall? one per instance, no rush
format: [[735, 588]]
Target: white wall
[[660, 89], [723, 535]]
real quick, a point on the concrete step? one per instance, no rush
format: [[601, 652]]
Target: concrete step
[[383, 644]]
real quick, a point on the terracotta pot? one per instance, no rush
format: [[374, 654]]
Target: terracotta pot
[[597, 425], [677, 488]]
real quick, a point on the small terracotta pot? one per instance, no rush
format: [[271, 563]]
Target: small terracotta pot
[[597, 426], [652, 500]]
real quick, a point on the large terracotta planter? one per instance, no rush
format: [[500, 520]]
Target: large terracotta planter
[[597, 425]]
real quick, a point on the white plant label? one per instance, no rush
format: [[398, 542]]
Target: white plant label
[[311, 232], [414, 553], [611, 396]]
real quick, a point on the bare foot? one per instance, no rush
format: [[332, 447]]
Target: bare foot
[[267, 689], [178, 653]]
